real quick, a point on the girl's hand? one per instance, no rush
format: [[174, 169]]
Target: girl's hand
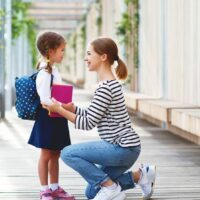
[[54, 107], [59, 108]]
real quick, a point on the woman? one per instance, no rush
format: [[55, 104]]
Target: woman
[[103, 163]]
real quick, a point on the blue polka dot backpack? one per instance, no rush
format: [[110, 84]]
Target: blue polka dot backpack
[[27, 100]]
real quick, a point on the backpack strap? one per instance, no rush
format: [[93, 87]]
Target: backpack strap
[[51, 80]]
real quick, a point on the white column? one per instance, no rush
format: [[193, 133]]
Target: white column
[[8, 77], [2, 65]]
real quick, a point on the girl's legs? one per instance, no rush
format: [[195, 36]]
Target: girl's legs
[[53, 167], [57, 191], [44, 159], [45, 156], [48, 162]]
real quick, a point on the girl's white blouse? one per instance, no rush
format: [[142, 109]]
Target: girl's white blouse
[[43, 82]]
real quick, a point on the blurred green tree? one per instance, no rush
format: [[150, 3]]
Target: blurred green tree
[[23, 24]]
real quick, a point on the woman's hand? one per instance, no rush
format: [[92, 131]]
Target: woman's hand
[[59, 108], [69, 106]]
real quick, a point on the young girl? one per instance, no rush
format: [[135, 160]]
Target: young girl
[[103, 163], [49, 134]]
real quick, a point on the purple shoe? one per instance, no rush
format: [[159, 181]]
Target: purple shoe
[[46, 195], [61, 194]]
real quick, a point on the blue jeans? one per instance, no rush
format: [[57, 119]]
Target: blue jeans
[[100, 161]]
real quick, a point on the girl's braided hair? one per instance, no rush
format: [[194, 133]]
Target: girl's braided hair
[[45, 42]]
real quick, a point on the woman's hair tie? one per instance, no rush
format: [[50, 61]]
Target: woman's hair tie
[[117, 58]]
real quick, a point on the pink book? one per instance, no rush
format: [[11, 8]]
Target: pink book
[[63, 94]]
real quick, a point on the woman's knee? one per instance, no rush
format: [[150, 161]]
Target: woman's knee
[[66, 154]]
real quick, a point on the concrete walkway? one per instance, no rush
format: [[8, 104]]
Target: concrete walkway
[[178, 161]]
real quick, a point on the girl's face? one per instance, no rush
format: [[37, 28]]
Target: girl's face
[[92, 59], [56, 56]]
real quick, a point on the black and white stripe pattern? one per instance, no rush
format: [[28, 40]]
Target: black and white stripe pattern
[[108, 112]]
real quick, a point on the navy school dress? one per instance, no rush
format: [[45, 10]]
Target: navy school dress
[[49, 132]]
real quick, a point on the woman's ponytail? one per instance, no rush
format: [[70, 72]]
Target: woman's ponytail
[[121, 70]]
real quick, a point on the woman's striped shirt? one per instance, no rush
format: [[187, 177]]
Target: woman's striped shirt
[[108, 112]]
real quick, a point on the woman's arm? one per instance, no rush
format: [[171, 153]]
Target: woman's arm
[[67, 114], [58, 108], [96, 109], [94, 114], [75, 109]]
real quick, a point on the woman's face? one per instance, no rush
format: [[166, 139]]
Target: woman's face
[[92, 59], [56, 56]]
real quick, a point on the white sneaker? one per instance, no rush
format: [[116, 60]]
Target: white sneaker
[[108, 194], [147, 180], [121, 196]]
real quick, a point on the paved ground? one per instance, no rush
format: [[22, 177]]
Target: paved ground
[[178, 161]]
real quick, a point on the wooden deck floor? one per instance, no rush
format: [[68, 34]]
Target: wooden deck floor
[[178, 162]]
